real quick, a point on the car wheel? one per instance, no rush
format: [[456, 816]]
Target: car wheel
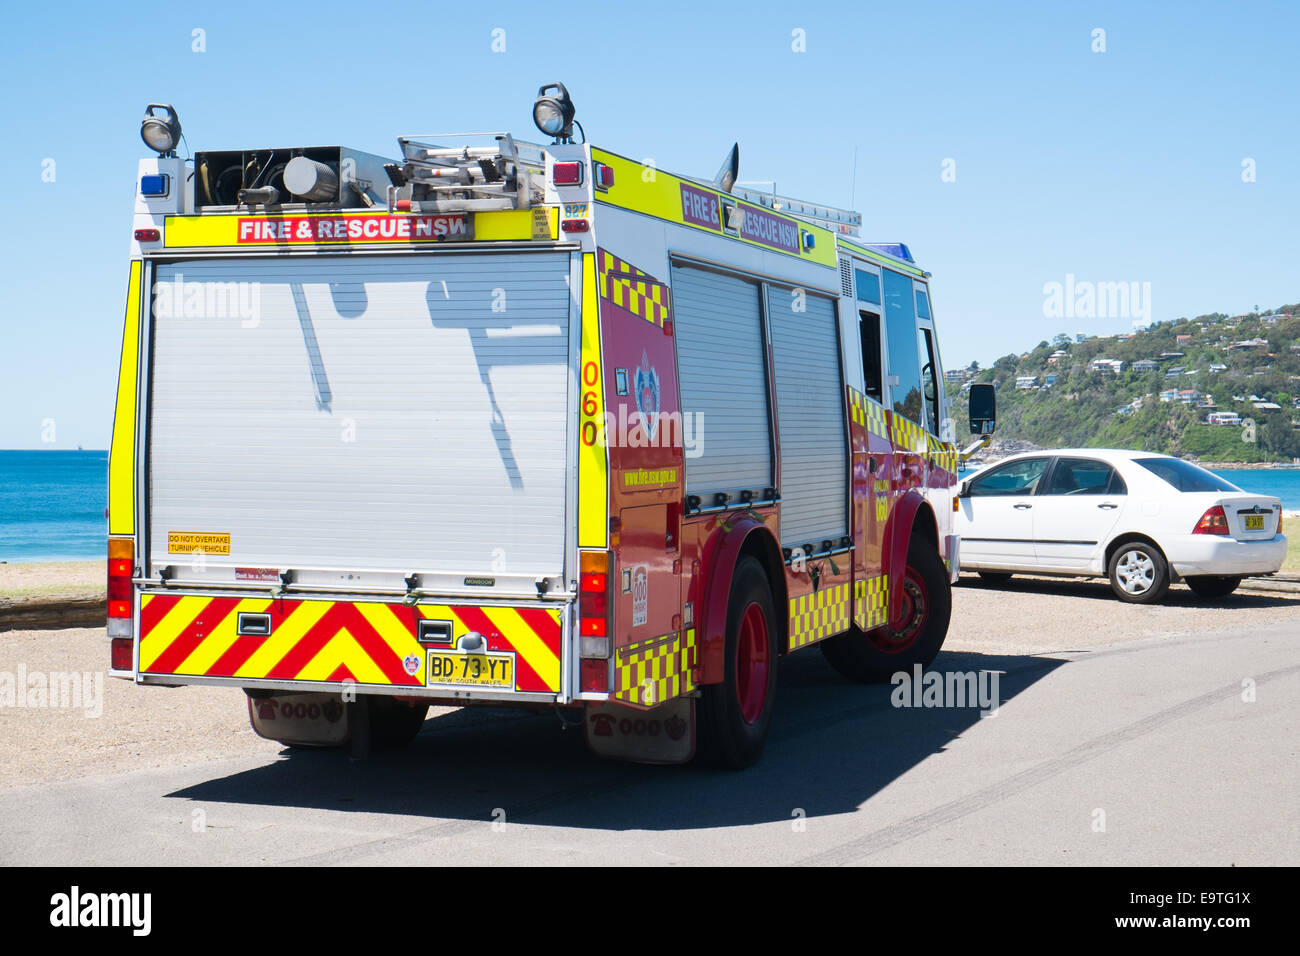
[[926, 609], [734, 715], [1212, 586], [1139, 573], [995, 577]]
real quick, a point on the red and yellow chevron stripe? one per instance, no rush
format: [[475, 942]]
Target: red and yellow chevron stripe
[[332, 641]]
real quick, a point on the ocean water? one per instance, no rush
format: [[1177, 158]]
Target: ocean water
[[52, 505], [52, 502]]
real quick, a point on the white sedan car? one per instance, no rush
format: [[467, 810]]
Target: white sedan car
[[1144, 520]]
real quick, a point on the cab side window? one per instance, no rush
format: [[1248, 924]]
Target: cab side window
[[900, 332], [1013, 478]]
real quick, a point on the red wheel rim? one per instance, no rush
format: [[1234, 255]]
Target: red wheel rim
[[752, 663], [913, 615]]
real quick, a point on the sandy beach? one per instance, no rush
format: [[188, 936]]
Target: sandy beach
[[53, 579]]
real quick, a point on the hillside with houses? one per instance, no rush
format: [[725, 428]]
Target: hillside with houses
[[1215, 388]]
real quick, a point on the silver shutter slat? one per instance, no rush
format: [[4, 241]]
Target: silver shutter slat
[[810, 416], [723, 381]]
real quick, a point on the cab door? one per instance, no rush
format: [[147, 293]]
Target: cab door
[[996, 514]]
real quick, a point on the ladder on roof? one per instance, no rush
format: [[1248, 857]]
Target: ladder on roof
[[843, 221], [472, 178]]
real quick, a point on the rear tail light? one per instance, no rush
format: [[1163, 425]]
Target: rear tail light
[[1214, 521], [1279, 521], [121, 626], [567, 174], [576, 225], [121, 567], [147, 235], [594, 607], [602, 175], [121, 656], [593, 676]]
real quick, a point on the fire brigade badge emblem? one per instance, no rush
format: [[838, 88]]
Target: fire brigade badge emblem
[[411, 663], [647, 395]]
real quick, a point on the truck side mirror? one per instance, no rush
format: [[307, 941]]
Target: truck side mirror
[[983, 409]]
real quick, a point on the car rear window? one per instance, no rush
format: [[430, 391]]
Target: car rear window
[[1185, 476]]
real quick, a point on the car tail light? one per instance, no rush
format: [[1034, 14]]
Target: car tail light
[[602, 175], [567, 174], [1279, 521], [147, 235], [1214, 521]]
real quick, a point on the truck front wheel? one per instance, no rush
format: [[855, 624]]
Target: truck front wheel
[[917, 635], [734, 715]]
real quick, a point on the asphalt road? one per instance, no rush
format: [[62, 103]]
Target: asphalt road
[[1125, 736]]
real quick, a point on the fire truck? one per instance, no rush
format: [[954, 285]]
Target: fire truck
[[512, 424]]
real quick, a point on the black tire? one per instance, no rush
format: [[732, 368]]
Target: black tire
[[394, 723], [868, 658], [727, 736], [1139, 573], [995, 577], [1212, 586]]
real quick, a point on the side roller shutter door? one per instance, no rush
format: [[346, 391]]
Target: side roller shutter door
[[810, 418], [723, 380]]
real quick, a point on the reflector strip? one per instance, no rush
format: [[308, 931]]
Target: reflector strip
[[121, 455]]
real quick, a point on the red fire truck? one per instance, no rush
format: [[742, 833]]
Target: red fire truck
[[516, 424]]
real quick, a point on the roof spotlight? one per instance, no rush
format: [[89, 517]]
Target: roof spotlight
[[161, 134], [554, 114]]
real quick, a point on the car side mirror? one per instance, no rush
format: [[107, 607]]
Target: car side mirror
[[983, 409], [963, 490]]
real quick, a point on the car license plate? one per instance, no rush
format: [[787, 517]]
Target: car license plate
[[468, 669], [1254, 522]]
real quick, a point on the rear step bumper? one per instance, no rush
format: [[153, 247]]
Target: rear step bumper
[[441, 651]]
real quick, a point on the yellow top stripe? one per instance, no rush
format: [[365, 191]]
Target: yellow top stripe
[[121, 455]]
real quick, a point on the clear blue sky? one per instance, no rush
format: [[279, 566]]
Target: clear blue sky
[[1115, 166]]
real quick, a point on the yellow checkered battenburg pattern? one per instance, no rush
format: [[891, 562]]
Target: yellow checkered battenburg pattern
[[630, 288], [819, 615], [656, 670], [872, 602], [868, 414], [942, 454]]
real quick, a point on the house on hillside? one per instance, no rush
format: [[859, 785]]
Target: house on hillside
[[1188, 396], [1026, 381], [1050, 380], [1170, 356], [1174, 372], [1182, 340], [1223, 418], [1113, 366], [1144, 365], [1218, 367], [1169, 395], [1267, 406]]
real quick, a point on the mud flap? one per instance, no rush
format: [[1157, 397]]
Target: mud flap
[[663, 734], [304, 719]]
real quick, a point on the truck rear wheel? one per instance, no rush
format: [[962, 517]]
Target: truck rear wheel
[[734, 715], [874, 656], [395, 723]]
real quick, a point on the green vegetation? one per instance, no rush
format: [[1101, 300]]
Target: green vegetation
[[1082, 406]]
